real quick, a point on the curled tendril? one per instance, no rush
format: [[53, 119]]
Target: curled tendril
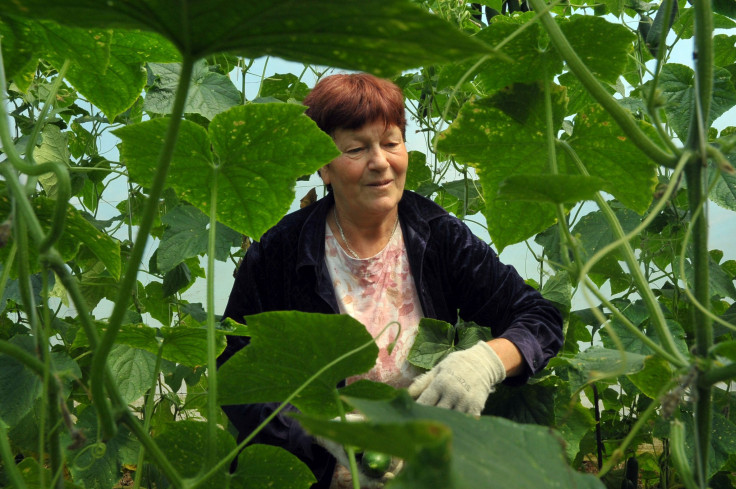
[[96, 451]]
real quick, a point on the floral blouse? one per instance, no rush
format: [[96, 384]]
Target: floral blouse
[[378, 291]]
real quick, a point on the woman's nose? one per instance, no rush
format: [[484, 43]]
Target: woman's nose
[[378, 159]]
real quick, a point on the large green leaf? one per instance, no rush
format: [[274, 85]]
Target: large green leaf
[[267, 371], [374, 35], [269, 466], [20, 43], [503, 136], [530, 403], [260, 149], [209, 93], [184, 444], [187, 236], [527, 56], [598, 363], [603, 46], [677, 83], [436, 339], [555, 189], [132, 371], [482, 450], [608, 154], [182, 345]]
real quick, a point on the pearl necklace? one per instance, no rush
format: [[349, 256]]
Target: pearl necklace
[[345, 240]]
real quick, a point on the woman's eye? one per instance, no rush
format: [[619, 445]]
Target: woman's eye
[[354, 151]]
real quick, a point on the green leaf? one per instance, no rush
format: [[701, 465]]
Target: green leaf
[[269, 466], [503, 136], [53, 148], [527, 55], [723, 192], [603, 46], [183, 444], [98, 464], [261, 150], [422, 444], [597, 363], [555, 189], [574, 421], [722, 439], [181, 345], [20, 44], [558, 290], [265, 371], [176, 279], [595, 232], [20, 385], [395, 36], [86, 48], [453, 195], [284, 87], [210, 93], [482, 450], [608, 154], [436, 339], [132, 371], [151, 297], [677, 83], [418, 172], [527, 404], [187, 236], [656, 373]]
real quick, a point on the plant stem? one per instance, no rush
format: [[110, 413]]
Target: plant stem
[[622, 116], [212, 407], [129, 280], [703, 55], [622, 243]]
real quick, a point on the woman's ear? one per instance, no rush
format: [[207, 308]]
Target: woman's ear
[[324, 174]]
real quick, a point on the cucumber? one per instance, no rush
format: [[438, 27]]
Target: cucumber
[[375, 464]]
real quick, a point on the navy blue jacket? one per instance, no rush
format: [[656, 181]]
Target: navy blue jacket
[[454, 271]]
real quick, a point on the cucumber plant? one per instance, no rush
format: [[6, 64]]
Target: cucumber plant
[[531, 116]]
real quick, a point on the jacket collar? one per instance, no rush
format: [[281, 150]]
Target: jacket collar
[[415, 213]]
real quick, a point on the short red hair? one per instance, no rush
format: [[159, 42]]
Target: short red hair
[[349, 101]]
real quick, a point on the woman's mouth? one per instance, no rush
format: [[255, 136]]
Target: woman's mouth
[[381, 183]]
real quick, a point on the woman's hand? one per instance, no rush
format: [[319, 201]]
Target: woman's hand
[[462, 381]]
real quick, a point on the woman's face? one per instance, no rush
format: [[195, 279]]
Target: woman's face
[[370, 174]]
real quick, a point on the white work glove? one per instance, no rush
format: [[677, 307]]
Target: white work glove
[[343, 478], [461, 381]]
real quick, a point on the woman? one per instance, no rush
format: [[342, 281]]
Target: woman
[[380, 254]]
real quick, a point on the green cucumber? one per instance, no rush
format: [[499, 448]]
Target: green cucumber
[[375, 464]]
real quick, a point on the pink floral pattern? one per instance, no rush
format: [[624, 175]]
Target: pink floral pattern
[[378, 291]]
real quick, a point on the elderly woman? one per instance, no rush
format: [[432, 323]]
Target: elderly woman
[[381, 254]]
